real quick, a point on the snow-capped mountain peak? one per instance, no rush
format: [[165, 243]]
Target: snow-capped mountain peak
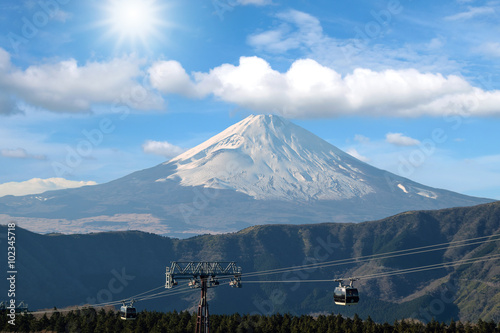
[[261, 170], [268, 157]]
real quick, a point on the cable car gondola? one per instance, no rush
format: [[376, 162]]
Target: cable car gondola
[[128, 312], [346, 294]]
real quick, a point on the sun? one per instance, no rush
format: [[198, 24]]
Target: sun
[[133, 21]]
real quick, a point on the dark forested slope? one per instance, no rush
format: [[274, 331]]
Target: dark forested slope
[[63, 270]]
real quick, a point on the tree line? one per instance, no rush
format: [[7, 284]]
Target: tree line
[[91, 320]]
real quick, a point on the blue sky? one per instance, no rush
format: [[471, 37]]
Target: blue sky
[[93, 90]]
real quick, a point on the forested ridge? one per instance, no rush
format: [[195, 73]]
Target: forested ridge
[[91, 320], [74, 270]]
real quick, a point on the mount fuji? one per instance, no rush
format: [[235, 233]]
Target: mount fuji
[[269, 158], [262, 170]]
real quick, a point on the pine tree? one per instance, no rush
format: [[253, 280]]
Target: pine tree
[[452, 328]]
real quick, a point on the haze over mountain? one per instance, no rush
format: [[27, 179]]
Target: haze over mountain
[[264, 169]]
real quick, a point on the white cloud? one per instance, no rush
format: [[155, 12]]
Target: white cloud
[[308, 89], [20, 153], [470, 13], [354, 153], [4, 61], [37, 185], [255, 2], [297, 30], [399, 139], [7, 105], [435, 44], [162, 148], [170, 76], [361, 138], [490, 49], [66, 86]]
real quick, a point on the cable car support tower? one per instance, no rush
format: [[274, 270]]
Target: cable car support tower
[[203, 275]]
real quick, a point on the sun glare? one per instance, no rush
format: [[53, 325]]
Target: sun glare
[[133, 20]]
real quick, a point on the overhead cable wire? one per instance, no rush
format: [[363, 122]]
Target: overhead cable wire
[[395, 272], [379, 256]]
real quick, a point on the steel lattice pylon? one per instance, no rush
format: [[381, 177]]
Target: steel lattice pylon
[[204, 275], [203, 318]]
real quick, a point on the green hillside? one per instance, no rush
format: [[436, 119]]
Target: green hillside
[[64, 270]]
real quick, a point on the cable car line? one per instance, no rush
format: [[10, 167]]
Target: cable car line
[[430, 267], [189, 289], [363, 277], [378, 256], [166, 293], [177, 292], [136, 296], [288, 281], [396, 272], [412, 253], [87, 306], [386, 255]]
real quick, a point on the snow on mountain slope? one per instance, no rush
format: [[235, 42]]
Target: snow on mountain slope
[[262, 170], [268, 157]]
